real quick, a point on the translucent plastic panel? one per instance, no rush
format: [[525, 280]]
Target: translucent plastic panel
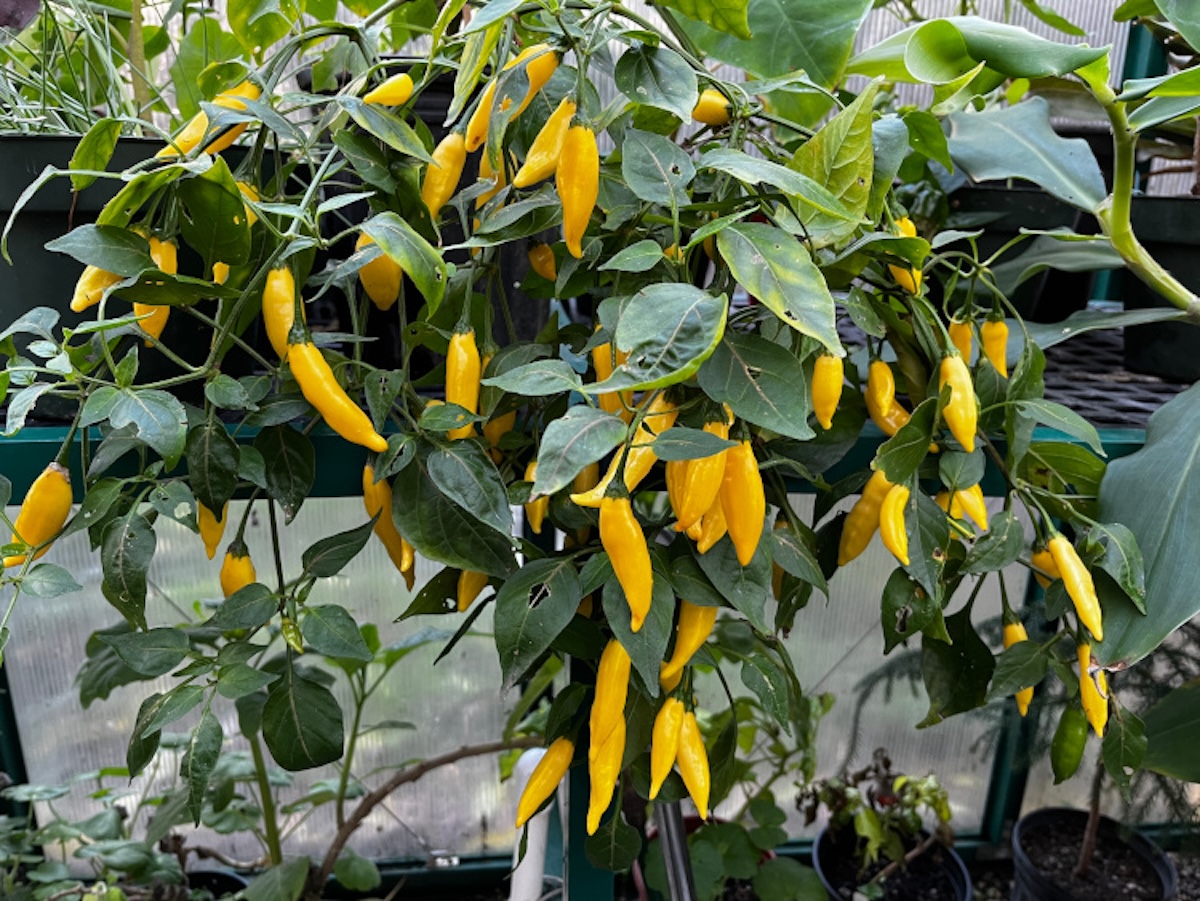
[[837, 647], [461, 808]]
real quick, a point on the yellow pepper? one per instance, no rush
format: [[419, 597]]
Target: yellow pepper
[[1044, 561], [91, 287], [695, 625], [713, 527], [212, 527], [535, 510], [604, 768], [193, 133], [1014, 633], [828, 375], [625, 543], [660, 416], [961, 338], [381, 277], [463, 369], [541, 261], [664, 743], [544, 779], [540, 63], [443, 174], [744, 500], [578, 183], [973, 504], [279, 308], [860, 526], [44, 512], [702, 480], [891, 522], [612, 690], [693, 763], [165, 256], [1093, 690], [470, 584], [712, 108], [546, 150], [377, 496], [994, 335], [1079, 584], [321, 389], [961, 413], [393, 92], [237, 570]]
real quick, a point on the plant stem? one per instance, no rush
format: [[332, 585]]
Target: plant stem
[[274, 848], [137, 59], [1088, 848], [360, 700], [1114, 217]]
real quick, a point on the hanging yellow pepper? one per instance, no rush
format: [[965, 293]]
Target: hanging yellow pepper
[[1093, 690], [194, 131], [393, 92], [623, 540], [906, 277], [604, 768], [212, 527], [165, 256], [994, 335], [618, 403], [962, 411], [546, 150], [443, 174], [713, 527], [961, 338], [712, 108], [463, 369], [321, 389], [881, 391], [377, 496], [540, 63], [828, 375], [693, 763], [541, 261], [91, 287], [695, 625], [891, 522], [43, 513], [744, 500], [495, 176], [972, 503], [703, 478], [535, 510], [279, 308], [1079, 584], [664, 743], [578, 185], [381, 277], [660, 416], [1014, 633], [470, 584], [544, 779], [1044, 560], [237, 569], [860, 526], [612, 690]]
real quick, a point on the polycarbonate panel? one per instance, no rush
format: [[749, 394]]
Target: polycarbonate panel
[[461, 809], [837, 646]]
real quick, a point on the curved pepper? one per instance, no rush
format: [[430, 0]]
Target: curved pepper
[[612, 689], [541, 261], [91, 287], [617, 403], [321, 389], [1093, 690], [891, 522], [393, 92], [1079, 584], [544, 779], [659, 417], [828, 375], [44, 512], [994, 335], [744, 500], [540, 63], [1014, 633], [695, 625], [381, 277], [713, 527], [604, 768], [961, 413], [693, 763], [463, 369], [702, 480], [535, 510], [664, 743], [1044, 560], [972, 503], [881, 391], [377, 497], [470, 584], [212, 528], [863, 521], [961, 337], [279, 308], [193, 133], [443, 174], [544, 153], [623, 540], [578, 184], [237, 569]]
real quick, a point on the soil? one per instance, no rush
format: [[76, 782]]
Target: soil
[[1188, 866], [991, 879], [924, 879], [1116, 871]]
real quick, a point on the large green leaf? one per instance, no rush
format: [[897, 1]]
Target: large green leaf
[[840, 156], [290, 466], [532, 607], [126, 552], [579, 437], [199, 759], [1019, 142], [729, 16], [655, 168], [752, 170], [213, 217], [302, 723], [416, 256], [257, 24], [762, 383], [1185, 16], [1155, 493], [814, 35], [1173, 734], [466, 474], [956, 675], [658, 77], [776, 268]]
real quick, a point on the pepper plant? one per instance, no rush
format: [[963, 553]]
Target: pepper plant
[[716, 239]]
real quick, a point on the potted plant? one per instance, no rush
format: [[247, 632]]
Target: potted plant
[[663, 382]]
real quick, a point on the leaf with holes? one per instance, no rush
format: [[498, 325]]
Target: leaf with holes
[[532, 607]]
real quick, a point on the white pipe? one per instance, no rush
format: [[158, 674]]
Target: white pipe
[[528, 875]]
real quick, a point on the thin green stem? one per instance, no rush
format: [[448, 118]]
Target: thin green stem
[[274, 847], [360, 701]]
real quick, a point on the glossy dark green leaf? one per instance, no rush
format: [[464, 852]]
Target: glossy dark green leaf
[[956, 674], [1173, 734], [46, 580], [647, 647], [247, 608], [785, 879], [199, 759], [958, 469], [537, 379], [464, 472], [1124, 746], [1064, 419], [901, 455], [746, 588], [127, 549], [655, 168], [928, 540], [775, 268], [151, 653], [763, 676], [213, 216], [116, 250], [615, 846], [420, 261], [640, 257], [94, 151], [329, 555], [532, 607], [681, 443], [239, 679], [356, 873], [332, 631], [761, 382], [691, 584], [658, 77], [752, 170], [1122, 560], [302, 723], [907, 609], [580, 436], [796, 553], [1000, 546], [158, 417], [170, 707], [1022, 666], [141, 749], [290, 466]]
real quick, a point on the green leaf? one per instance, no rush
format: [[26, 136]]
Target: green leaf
[[776, 268], [647, 647], [658, 77], [679, 443], [328, 556], [762, 383], [126, 551], [213, 219], [420, 261], [1022, 666], [172, 706], [928, 538], [466, 474], [46, 580], [840, 156], [785, 879], [356, 873], [1184, 16], [901, 455], [282, 883], [926, 137], [540, 378], [580, 436], [1019, 142], [257, 24], [797, 554], [1122, 560], [615, 846], [141, 749], [1047, 334], [158, 418], [199, 759], [532, 607], [1000, 546], [247, 608], [302, 723], [655, 168], [763, 676], [1124, 746], [113, 249], [332, 631], [1064, 419], [239, 679], [1173, 734], [94, 151], [728, 16], [906, 609], [668, 330], [956, 674], [150, 653], [640, 257], [291, 466], [745, 588], [1153, 492], [441, 529], [752, 170], [174, 500]]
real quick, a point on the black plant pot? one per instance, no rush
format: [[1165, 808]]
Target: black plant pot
[[1030, 884], [829, 855], [219, 882], [1167, 228]]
